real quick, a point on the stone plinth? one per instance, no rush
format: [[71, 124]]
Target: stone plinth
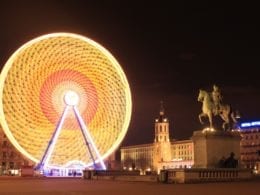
[[211, 146]]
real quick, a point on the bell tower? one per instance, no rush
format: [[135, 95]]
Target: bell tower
[[162, 144], [161, 127]]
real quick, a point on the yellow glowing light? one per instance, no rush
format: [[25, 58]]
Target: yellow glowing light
[[208, 129], [71, 98], [57, 69]]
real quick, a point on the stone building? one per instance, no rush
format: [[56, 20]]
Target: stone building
[[162, 153], [11, 160], [182, 153]]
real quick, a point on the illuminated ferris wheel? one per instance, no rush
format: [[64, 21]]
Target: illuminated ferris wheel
[[64, 100]]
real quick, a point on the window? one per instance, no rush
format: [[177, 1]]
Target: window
[[4, 144], [12, 154], [11, 165], [3, 164]]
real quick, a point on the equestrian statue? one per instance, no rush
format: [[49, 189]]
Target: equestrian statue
[[212, 105]]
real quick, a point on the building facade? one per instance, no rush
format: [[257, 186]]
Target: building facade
[[250, 145], [11, 161], [161, 154], [182, 153], [138, 157]]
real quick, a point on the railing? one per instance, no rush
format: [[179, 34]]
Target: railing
[[204, 175]]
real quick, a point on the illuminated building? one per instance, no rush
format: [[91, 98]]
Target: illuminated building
[[161, 154], [182, 153], [250, 145], [138, 157], [65, 102], [11, 160]]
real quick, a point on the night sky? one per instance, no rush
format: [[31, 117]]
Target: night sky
[[168, 52]]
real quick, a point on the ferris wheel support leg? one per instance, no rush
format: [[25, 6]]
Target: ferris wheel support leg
[[89, 149], [87, 137], [47, 154]]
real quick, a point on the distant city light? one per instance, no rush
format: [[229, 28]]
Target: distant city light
[[177, 159], [250, 124]]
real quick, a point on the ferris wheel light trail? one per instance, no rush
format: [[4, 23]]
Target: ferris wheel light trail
[[64, 99]]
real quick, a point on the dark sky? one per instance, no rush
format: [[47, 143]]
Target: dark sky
[[168, 52]]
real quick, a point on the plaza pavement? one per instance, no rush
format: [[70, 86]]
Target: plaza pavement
[[78, 186]]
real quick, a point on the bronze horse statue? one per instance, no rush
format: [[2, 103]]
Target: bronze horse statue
[[209, 109]]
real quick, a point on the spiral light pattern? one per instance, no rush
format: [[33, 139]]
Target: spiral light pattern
[[32, 87]]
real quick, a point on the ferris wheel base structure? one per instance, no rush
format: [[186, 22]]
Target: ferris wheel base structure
[[65, 103], [71, 100]]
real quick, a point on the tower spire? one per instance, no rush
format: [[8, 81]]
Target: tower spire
[[161, 109], [162, 117]]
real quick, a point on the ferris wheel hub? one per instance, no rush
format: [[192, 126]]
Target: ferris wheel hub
[[71, 98]]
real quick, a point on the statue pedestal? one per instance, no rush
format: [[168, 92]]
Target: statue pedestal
[[210, 147]]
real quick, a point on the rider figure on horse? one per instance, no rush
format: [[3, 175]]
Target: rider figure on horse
[[212, 105], [217, 99]]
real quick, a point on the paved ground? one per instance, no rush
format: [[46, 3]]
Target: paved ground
[[34, 186]]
